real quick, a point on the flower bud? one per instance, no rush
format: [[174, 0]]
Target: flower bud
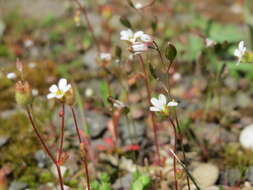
[[23, 93], [70, 97]]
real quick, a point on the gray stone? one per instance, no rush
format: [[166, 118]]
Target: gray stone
[[206, 174], [3, 140], [16, 185], [41, 158], [123, 182], [249, 174], [231, 176], [131, 132]]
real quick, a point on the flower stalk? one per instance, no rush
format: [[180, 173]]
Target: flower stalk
[[62, 115], [56, 163], [153, 123]]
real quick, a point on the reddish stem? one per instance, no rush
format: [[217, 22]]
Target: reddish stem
[[76, 126], [151, 113], [62, 115], [80, 141], [45, 147], [174, 149]]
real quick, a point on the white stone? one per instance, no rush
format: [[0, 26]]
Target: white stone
[[246, 137]]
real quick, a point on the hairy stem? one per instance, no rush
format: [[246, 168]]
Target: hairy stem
[[45, 147], [80, 141], [182, 147], [148, 89], [174, 149], [62, 115], [76, 126]]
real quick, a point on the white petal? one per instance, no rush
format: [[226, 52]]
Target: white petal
[[154, 109], [53, 88], [237, 53], [11, 75], [241, 45], [154, 101], [138, 34], [62, 84], [162, 99], [172, 104], [66, 88], [125, 34], [50, 96]]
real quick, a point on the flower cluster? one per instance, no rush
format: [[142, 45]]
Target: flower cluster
[[240, 51], [139, 41], [160, 104]]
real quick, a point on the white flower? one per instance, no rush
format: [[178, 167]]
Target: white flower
[[139, 47], [89, 92], [118, 104], [172, 103], [11, 75], [138, 6], [146, 38], [240, 51], [209, 42], [60, 90], [35, 92], [128, 35], [105, 56], [159, 105], [246, 137]]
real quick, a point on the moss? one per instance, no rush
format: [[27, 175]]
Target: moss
[[22, 143], [236, 157]]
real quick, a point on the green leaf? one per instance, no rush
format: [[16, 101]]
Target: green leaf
[[105, 186], [125, 22], [105, 91], [170, 52], [152, 71], [95, 185], [130, 3], [118, 52]]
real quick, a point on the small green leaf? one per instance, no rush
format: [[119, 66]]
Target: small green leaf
[[154, 25], [130, 3], [104, 90], [118, 52], [170, 52], [152, 71], [125, 22]]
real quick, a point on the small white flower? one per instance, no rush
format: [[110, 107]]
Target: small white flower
[[138, 6], [139, 47], [128, 35], [11, 75], [209, 42], [35, 92], [89, 92], [173, 103], [105, 56], [240, 51], [146, 38], [118, 104], [60, 90], [159, 105]]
